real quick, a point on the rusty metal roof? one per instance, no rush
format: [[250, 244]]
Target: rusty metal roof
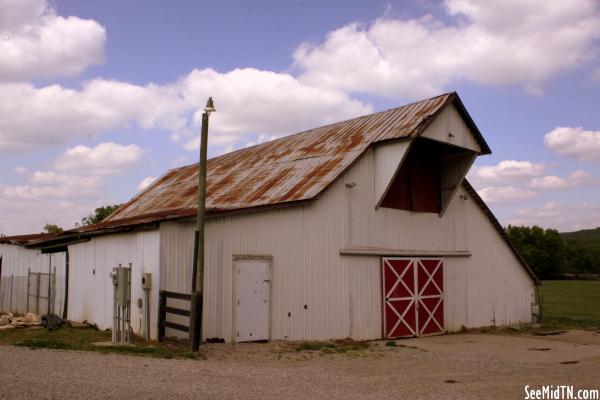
[[290, 169], [26, 239]]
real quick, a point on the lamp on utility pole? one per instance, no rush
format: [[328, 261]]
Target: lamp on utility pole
[[198, 271]]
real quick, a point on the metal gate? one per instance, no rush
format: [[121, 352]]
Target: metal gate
[[413, 296], [41, 286]]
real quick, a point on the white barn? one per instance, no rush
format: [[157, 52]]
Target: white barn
[[363, 229]]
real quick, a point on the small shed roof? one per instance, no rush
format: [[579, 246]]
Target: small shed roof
[[294, 168], [26, 239]]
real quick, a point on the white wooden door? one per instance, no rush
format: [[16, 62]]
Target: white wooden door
[[252, 300]]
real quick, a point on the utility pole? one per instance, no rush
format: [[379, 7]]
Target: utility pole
[[198, 271], [49, 281]]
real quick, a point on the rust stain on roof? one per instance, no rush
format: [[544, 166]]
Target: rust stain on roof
[[292, 168], [26, 239], [260, 193], [315, 176]]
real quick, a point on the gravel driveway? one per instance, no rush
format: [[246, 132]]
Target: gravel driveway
[[459, 366]]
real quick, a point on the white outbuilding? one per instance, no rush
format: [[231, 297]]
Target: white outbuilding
[[29, 277], [361, 229]]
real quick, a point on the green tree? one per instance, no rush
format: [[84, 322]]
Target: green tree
[[543, 250], [583, 251], [556, 251], [99, 214], [583, 257], [52, 228]]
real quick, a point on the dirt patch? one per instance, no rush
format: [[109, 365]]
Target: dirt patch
[[460, 366]]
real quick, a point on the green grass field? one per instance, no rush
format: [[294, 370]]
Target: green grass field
[[571, 304]]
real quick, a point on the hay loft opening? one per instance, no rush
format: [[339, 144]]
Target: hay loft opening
[[428, 176]]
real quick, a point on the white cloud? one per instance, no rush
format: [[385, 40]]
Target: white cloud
[[47, 186], [20, 170], [51, 178], [18, 13], [38, 43], [145, 183], [507, 171], [505, 194], [574, 142], [102, 159], [251, 102], [68, 192], [509, 179], [248, 102], [30, 215], [477, 44], [561, 216], [553, 182], [491, 42], [549, 182], [541, 39], [33, 117]]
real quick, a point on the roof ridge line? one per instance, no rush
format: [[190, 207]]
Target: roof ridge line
[[322, 126]]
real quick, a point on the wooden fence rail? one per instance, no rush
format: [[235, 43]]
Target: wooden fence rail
[[164, 309]]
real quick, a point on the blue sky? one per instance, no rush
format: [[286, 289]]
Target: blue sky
[[100, 96]]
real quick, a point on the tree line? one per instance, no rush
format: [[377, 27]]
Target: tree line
[[552, 254]]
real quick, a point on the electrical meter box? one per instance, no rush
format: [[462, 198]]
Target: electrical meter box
[[146, 280], [123, 286]]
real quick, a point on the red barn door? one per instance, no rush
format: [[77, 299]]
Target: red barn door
[[413, 297]]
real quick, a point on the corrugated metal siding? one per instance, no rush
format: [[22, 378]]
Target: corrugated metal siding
[[447, 122], [342, 293], [91, 290], [499, 290], [305, 271], [176, 258], [15, 261], [489, 286]]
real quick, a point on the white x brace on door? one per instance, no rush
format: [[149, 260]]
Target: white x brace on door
[[413, 296]]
